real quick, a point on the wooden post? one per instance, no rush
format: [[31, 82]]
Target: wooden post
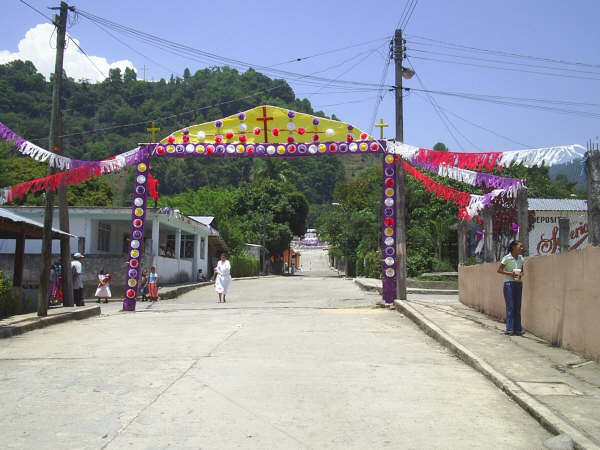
[[19, 260], [593, 187], [462, 241], [400, 175], [61, 29], [488, 243], [563, 234], [523, 219]]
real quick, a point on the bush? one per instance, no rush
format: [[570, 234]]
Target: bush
[[417, 263], [369, 265], [244, 265], [442, 266], [8, 304]]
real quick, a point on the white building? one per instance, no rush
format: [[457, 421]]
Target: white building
[[544, 238], [175, 244]]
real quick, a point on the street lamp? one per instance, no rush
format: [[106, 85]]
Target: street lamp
[[346, 265]]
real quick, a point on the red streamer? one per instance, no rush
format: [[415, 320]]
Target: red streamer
[[455, 196], [472, 161], [153, 187]]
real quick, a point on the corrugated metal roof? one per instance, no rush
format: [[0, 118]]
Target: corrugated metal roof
[[6, 214], [557, 204]]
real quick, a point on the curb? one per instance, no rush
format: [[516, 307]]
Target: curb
[[7, 331], [424, 291], [544, 415]]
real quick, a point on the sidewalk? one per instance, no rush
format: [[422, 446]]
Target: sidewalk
[[372, 284], [557, 387], [14, 325]]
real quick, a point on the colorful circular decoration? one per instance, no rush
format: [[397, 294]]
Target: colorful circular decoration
[[329, 132], [260, 150], [137, 234], [186, 138], [389, 171], [389, 261], [200, 149], [291, 148], [137, 223], [230, 148], [389, 159], [312, 149], [291, 138], [271, 150], [242, 116], [138, 201], [135, 244], [141, 179], [389, 182], [322, 148], [363, 136], [302, 148], [220, 149], [388, 221], [291, 126], [388, 231], [291, 114], [134, 253], [363, 147], [389, 192], [301, 130], [131, 282], [219, 124], [353, 147], [140, 190], [316, 121], [343, 148], [240, 148], [133, 263], [160, 149], [170, 149], [189, 148], [389, 202], [141, 167], [281, 149], [171, 139], [218, 138], [132, 273], [349, 137], [389, 241], [201, 135], [388, 211], [210, 149], [242, 138], [186, 130], [180, 148], [229, 134], [316, 138], [250, 149], [333, 147], [256, 131], [390, 272], [130, 293], [389, 250], [374, 146], [275, 131], [139, 212]]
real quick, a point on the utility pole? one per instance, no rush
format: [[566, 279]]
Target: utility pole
[[400, 176], [61, 27], [593, 188]]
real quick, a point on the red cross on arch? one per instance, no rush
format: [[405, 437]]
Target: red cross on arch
[[264, 119]]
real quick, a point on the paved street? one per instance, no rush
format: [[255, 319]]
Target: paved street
[[288, 362]]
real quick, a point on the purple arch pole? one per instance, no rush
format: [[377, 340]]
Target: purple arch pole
[[138, 224], [388, 230]]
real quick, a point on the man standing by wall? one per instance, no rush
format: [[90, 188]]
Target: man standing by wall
[[76, 271]]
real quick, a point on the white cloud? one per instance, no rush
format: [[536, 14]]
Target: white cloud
[[38, 46]]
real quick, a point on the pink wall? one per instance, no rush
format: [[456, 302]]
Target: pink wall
[[561, 297]]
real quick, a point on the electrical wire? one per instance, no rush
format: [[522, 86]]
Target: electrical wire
[[409, 15], [502, 53], [37, 11]]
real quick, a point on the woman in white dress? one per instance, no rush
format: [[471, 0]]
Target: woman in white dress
[[223, 282]]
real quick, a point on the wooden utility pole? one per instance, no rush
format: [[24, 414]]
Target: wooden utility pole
[[593, 185], [523, 219], [489, 252], [63, 220], [61, 27], [400, 176], [563, 234]]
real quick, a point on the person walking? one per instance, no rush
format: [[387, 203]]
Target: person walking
[[76, 273], [511, 267], [103, 289], [223, 281], [153, 284], [55, 282]]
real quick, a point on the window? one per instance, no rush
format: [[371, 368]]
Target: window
[[103, 237], [186, 249], [202, 248]]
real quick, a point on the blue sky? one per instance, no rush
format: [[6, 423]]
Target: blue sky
[[268, 33]]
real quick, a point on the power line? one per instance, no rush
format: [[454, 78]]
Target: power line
[[504, 53], [37, 11], [409, 15]]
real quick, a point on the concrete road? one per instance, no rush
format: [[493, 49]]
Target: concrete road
[[288, 362]]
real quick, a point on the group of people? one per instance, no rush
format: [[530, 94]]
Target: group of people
[[148, 282]]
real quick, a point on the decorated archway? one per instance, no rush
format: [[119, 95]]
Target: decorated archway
[[268, 132], [272, 132]]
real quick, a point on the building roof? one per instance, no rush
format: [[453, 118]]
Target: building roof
[[557, 204], [206, 220], [32, 228]]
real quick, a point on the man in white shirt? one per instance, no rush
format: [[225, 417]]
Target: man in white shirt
[[76, 272]]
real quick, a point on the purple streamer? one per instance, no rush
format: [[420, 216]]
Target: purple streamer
[[9, 135]]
